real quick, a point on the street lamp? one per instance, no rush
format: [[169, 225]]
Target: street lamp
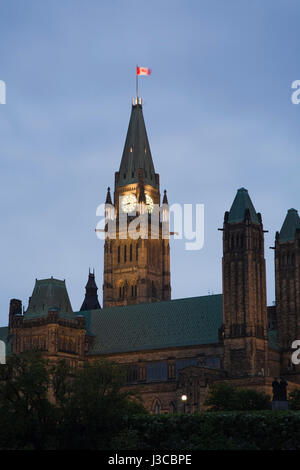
[[184, 399]]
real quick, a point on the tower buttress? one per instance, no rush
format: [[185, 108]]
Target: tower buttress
[[287, 287], [15, 308], [244, 290]]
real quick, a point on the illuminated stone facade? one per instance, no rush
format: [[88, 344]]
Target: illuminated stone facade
[[170, 347]]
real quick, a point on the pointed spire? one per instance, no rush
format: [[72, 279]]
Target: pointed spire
[[290, 225], [165, 198], [165, 208], [109, 210], [136, 153], [91, 301], [242, 207], [108, 197]]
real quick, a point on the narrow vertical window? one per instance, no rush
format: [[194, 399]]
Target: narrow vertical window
[[130, 254], [125, 253], [137, 252], [232, 242]]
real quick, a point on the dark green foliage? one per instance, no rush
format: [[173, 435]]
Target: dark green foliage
[[294, 400], [224, 397], [256, 430], [91, 411], [92, 407], [27, 417], [44, 406]]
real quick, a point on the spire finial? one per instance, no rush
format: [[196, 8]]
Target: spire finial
[[108, 197], [165, 198]]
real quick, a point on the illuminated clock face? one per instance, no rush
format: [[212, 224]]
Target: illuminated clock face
[[128, 203], [149, 203]]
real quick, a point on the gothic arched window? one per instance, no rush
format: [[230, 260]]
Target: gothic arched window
[[156, 407]]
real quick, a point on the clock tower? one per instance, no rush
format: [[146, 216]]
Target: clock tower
[[136, 269]]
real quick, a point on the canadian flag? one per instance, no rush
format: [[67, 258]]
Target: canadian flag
[[143, 71]]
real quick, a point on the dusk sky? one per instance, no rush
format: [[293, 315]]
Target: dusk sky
[[218, 113]]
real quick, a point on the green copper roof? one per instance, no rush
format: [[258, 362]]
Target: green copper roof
[[174, 323], [290, 225], [3, 333], [242, 202], [5, 339], [49, 294], [136, 153], [158, 325]]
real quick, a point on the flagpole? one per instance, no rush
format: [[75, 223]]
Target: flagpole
[[137, 84]]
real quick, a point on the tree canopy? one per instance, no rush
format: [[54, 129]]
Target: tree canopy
[[47, 406], [225, 397]]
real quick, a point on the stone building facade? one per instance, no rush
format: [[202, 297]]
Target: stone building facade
[[171, 348]]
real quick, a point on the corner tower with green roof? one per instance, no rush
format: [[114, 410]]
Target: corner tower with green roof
[[244, 290], [135, 271], [49, 324], [287, 281]]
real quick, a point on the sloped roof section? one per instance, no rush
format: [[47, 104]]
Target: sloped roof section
[[5, 338], [158, 325], [242, 201], [49, 294], [290, 225], [136, 153]]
